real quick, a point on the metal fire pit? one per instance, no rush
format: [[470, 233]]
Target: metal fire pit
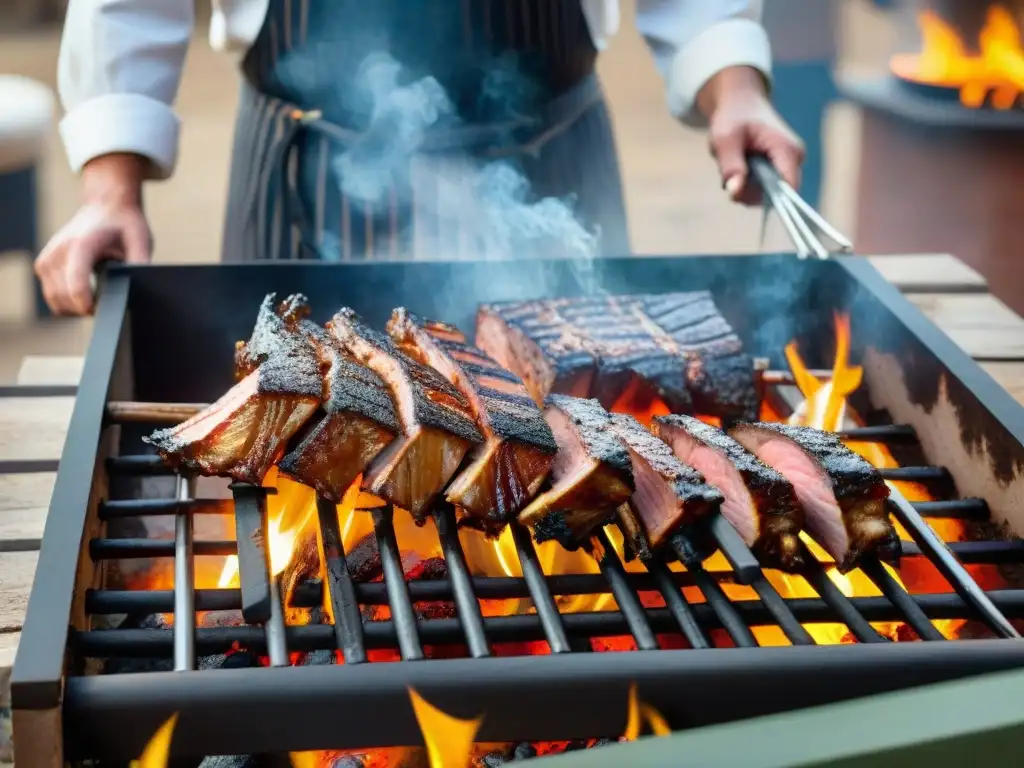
[[166, 334]]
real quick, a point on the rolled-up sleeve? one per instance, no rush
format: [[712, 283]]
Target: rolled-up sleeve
[[118, 75], [693, 40]]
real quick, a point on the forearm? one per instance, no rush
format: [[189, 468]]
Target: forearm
[[118, 77], [695, 41]]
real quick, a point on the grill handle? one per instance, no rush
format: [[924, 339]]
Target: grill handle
[[803, 224]]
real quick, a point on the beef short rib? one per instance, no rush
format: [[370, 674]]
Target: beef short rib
[[438, 426], [759, 502], [243, 433], [676, 345], [592, 474], [843, 496], [508, 468], [669, 494]]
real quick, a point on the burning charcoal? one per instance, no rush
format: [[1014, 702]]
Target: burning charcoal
[[322, 658], [507, 470], [230, 660], [431, 569], [231, 761], [349, 761], [121, 666], [438, 427], [364, 560], [241, 434], [521, 751]]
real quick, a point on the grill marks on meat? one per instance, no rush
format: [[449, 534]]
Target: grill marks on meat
[[243, 433], [591, 476], [669, 494], [843, 496], [758, 501], [437, 422], [678, 345], [508, 468], [357, 423]]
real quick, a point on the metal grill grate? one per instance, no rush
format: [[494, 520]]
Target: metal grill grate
[[259, 597]]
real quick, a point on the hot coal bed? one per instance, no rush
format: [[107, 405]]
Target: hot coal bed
[[101, 667], [942, 139]]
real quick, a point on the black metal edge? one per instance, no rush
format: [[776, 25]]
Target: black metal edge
[[39, 390], [536, 698], [28, 466], [39, 664], [989, 394]]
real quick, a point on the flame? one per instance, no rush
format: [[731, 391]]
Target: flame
[[944, 60], [640, 713], [449, 740], [159, 747]]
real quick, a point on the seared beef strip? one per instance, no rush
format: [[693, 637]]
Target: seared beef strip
[[358, 421], [243, 433], [677, 345], [507, 470], [591, 476], [669, 494], [843, 496], [759, 502], [437, 423]]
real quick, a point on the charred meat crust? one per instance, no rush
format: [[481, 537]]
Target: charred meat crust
[[427, 384], [594, 426], [276, 335]]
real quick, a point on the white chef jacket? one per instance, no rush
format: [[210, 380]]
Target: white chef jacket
[[121, 61]]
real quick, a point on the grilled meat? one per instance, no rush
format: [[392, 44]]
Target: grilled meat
[[358, 421], [843, 496], [508, 468], [678, 345], [759, 502], [591, 476], [243, 433], [437, 422], [669, 494]]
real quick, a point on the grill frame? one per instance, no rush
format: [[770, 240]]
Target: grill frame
[[110, 716]]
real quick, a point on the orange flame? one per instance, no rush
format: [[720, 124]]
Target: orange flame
[[158, 749], [944, 60]]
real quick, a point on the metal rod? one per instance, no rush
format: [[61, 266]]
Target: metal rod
[[885, 433], [814, 218], [402, 613], [961, 509], [253, 552], [677, 605], [138, 466], [547, 611], [629, 603], [184, 582], [774, 376], [948, 566], [276, 629], [816, 576], [466, 603], [813, 243], [717, 600], [901, 599], [119, 412], [348, 622], [122, 508], [918, 474], [156, 643]]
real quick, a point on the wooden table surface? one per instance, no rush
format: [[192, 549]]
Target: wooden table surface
[[947, 291]]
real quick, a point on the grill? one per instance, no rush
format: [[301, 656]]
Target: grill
[[164, 335]]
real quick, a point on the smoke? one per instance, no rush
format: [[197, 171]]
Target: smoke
[[454, 200]]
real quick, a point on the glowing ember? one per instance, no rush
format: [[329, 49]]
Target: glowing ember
[[945, 60]]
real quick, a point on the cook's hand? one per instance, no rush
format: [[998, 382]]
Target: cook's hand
[[109, 225], [742, 121]]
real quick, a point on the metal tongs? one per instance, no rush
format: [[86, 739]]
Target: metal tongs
[[795, 213]]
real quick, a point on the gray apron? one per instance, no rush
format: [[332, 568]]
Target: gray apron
[[418, 129]]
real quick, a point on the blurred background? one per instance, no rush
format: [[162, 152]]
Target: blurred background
[[673, 195]]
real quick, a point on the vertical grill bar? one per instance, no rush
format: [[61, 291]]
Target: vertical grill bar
[[948, 565], [629, 603], [837, 601], [547, 611], [899, 597], [253, 556], [748, 571], [716, 597], [677, 605], [277, 643], [467, 605], [402, 613], [348, 623], [184, 581]]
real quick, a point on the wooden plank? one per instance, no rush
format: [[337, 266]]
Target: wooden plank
[[17, 569], [910, 273], [39, 369], [34, 427], [1010, 377], [24, 503], [979, 323]]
